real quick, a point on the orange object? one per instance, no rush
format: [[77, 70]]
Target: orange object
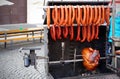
[[61, 16], [70, 14], [71, 32], [93, 32], [48, 17], [58, 32], [78, 17], [84, 14], [95, 14], [84, 33], [52, 32], [102, 15], [99, 16], [107, 15], [78, 33], [90, 58], [73, 15], [97, 32], [65, 32], [66, 16]]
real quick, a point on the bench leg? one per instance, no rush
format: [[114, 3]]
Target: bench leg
[[5, 45], [27, 37], [5, 39], [33, 36], [41, 37]]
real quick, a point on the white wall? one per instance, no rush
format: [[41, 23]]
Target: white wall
[[34, 13]]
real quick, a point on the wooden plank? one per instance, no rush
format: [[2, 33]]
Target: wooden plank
[[21, 38]]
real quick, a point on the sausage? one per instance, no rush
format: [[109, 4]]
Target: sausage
[[97, 32], [87, 16], [78, 33], [107, 15], [55, 15], [88, 23], [58, 32], [65, 32], [98, 22], [93, 32], [52, 32], [91, 15], [84, 30], [78, 10], [61, 19], [66, 16], [73, 15], [102, 15], [84, 14], [70, 18], [48, 17], [99, 16], [95, 14], [78, 17], [71, 31]]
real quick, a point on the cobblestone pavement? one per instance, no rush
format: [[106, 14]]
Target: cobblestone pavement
[[12, 66]]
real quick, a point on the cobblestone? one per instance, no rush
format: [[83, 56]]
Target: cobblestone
[[12, 66]]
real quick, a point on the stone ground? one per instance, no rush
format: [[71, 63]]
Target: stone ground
[[12, 65]]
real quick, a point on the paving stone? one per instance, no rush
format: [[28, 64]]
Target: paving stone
[[12, 66]]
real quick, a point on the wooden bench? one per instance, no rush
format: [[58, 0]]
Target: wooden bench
[[17, 35]]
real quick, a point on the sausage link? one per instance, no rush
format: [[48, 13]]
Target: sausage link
[[84, 14], [48, 17], [107, 15], [73, 15], [66, 16], [70, 13], [99, 16], [93, 32], [88, 23], [56, 15], [97, 32], [52, 32], [84, 30], [78, 14], [58, 32], [71, 31], [103, 15], [65, 32], [87, 16], [78, 33], [61, 19], [95, 14]]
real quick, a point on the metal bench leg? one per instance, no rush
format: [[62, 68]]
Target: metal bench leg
[[5, 39], [27, 37], [41, 35], [33, 36]]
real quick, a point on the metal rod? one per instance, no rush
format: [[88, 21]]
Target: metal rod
[[68, 6], [74, 59], [69, 61], [45, 25], [113, 32]]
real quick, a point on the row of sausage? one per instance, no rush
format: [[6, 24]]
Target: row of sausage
[[88, 19]]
